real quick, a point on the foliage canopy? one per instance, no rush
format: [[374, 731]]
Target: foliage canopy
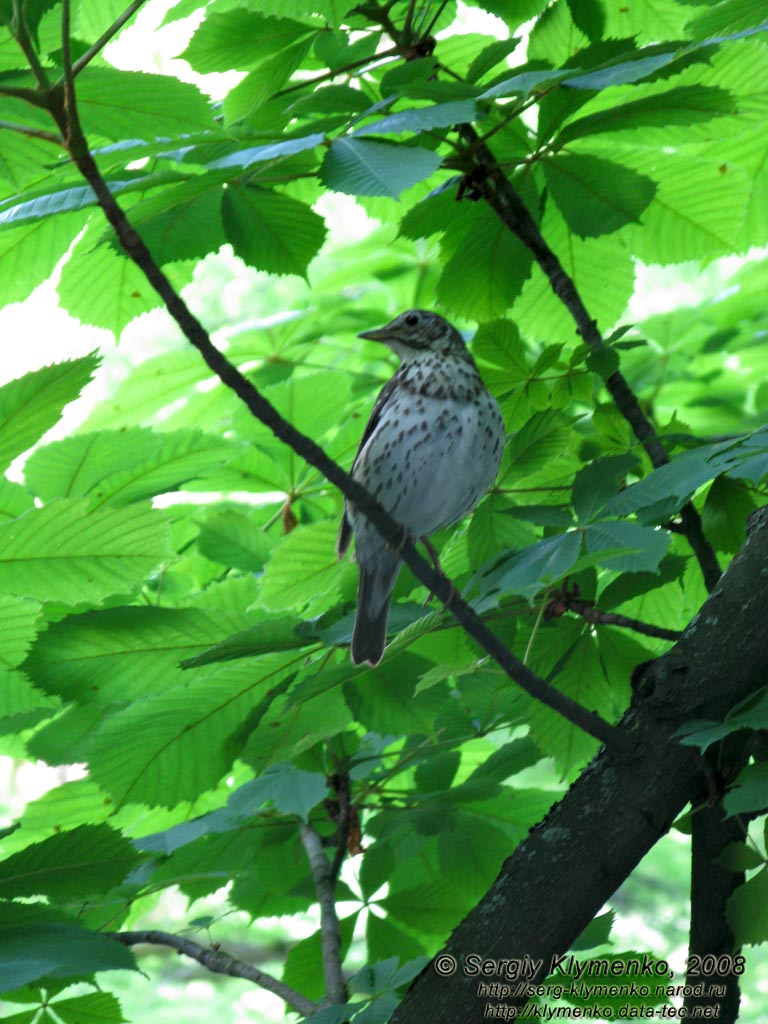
[[193, 654]]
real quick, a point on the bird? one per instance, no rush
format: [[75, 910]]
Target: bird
[[430, 451]]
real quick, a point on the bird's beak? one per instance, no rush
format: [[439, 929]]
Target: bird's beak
[[379, 334]]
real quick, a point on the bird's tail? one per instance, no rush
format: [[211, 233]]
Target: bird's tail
[[373, 598]]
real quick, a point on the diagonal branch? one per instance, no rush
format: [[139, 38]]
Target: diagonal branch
[[494, 186], [220, 963], [330, 934], [67, 118]]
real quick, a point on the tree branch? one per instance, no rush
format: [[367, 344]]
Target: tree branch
[[330, 934], [24, 41], [489, 180], [570, 864], [67, 118], [220, 963], [104, 38], [33, 133], [565, 602]]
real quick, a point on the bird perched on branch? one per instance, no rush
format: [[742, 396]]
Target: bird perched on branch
[[430, 451]]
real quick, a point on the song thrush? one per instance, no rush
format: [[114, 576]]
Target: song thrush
[[430, 451]]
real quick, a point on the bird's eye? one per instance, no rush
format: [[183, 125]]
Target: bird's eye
[[412, 319]]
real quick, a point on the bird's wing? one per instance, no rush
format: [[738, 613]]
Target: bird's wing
[[345, 529]]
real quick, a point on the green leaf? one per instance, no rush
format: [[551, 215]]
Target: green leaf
[[728, 17], [749, 792], [91, 1008], [621, 73], [272, 151], [37, 951], [597, 483], [529, 571], [102, 287], [30, 252], [119, 654], [589, 17], [304, 571], [545, 436], [439, 115], [645, 547], [361, 168], [747, 910], [227, 40], [270, 634], [259, 85], [271, 231], [64, 552], [490, 56], [20, 618], [289, 789], [175, 745], [131, 104], [486, 271], [150, 463], [84, 862], [596, 196], [688, 104], [32, 404], [234, 539], [725, 513], [182, 221]]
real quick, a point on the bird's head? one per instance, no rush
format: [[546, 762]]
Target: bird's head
[[418, 331]]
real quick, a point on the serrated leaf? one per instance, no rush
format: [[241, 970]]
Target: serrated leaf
[[622, 73], [597, 483], [19, 617], [234, 539], [32, 404], [30, 252], [91, 1008], [486, 271], [362, 168], [65, 552], [304, 570], [725, 18], [439, 115], [120, 654], [83, 862], [270, 634], [272, 151], [589, 17], [645, 547], [175, 745], [271, 231], [490, 56], [596, 196], [682, 106], [529, 571], [225, 40], [289, 789], [135, 105], [150, 462], [37, 951], [747, 910]]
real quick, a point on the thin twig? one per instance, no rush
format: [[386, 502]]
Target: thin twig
[[308, 83], [343, 823], [492, 184], [220, 963], [566, 603], [26, 44], [105, 37], [34, 133], [134, 247], [330, 933]]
